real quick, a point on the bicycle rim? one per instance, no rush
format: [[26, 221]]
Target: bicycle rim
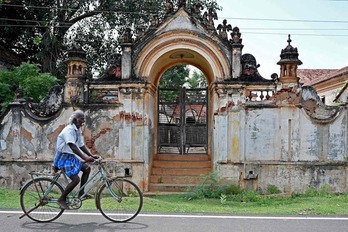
[[121, 202], [44, 208]]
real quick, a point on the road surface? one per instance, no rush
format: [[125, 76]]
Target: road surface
[[74, 221]]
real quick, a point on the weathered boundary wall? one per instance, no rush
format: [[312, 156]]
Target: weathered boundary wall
[[254, 144], [289, 146], [120, 133]]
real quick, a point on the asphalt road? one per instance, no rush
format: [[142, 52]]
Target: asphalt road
[[146, 222]]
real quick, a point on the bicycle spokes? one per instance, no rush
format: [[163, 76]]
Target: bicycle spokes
[[120, 200]]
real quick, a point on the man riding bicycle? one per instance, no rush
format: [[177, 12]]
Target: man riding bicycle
[[71, 147]]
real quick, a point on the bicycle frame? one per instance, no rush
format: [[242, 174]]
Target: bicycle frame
[[102, 179], [43, 189], [96, 182]]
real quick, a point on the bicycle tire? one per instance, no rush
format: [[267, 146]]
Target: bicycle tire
[[126, 207], [35, 206]]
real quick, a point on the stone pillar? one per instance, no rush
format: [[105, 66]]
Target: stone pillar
[[237, 47], [16, 108], [220, 132], [236, 61], [229, 119], [133, 136], [74, 91], [127, 54]]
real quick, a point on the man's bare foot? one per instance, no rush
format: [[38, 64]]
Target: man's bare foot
[[62, 204]]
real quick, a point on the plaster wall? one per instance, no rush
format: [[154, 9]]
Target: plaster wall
[[279, 146], [283, 146], [122, 134]]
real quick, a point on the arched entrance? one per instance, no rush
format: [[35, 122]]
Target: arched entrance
[[184, 48], [179, 41]]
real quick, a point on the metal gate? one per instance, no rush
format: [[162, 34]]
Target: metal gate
[[182, 121]]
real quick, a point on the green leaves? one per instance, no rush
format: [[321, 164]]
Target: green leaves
[[174, 77], [34, 84], [37, 40], [41, 31], [37, 87]]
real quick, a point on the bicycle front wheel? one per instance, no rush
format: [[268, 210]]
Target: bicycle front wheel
[[38, 199], [119, 200]]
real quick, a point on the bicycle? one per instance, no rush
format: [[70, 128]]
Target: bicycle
[[118, 199]]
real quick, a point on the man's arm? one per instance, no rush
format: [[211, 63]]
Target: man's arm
[[77, 151], [86, 151]]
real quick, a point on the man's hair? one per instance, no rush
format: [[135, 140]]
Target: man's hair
[[75, 115]]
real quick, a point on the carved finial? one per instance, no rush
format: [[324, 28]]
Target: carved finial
[[209, 17], [196, 9], [19, 93], [289, 40], [154, 21], [169, 7], [127, 36], [236, 36], [181, 3], [223, 29]]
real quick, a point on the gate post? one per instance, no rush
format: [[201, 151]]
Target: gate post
[[16, 108], [126, 62], [237, 47]]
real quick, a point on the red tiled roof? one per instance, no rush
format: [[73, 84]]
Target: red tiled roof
[[314, 76], [307, 76]]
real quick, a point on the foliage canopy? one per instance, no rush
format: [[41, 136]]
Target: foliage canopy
[[40, 31], [29, 79]]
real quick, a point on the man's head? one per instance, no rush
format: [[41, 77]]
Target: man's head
[[78, 118]]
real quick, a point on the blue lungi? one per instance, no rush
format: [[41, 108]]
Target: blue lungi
[[68, 163]]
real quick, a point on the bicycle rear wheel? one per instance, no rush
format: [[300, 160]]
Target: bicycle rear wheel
[[121, 201], [39, 205]]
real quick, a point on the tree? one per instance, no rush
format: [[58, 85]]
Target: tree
[[197, 80], [174, 77], [42, 30], [34, 84], [37, 29]]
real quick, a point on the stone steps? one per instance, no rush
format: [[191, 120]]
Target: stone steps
[[178, 173]]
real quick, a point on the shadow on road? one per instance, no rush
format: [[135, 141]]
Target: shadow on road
[[85, 227]]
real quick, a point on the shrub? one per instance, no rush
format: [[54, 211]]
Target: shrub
[[272, 189], [211, 187], [323, 191]]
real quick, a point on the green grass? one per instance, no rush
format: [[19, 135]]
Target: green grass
[[248, 202]]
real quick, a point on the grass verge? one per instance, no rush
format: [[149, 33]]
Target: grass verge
[[249, 202]]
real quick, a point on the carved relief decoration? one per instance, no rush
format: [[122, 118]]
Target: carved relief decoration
[[48, 106], [73, 91], [209, 17], [169, 7], [315, 108], [196, 9]]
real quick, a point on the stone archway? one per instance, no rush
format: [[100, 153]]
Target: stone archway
[[183, 47], [180, 39]]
